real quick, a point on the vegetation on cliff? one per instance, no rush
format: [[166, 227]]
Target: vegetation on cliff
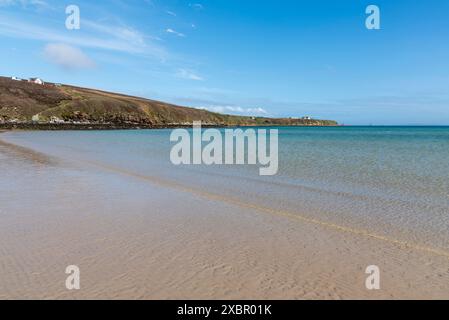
[[22, 102]]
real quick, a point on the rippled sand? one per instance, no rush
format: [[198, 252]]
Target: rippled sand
[[138, 236]]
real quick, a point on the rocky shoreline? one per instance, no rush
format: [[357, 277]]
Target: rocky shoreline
[[70, 126], [101, 126], [90, 126]]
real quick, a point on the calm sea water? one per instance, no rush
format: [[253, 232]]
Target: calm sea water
[[388, 180]]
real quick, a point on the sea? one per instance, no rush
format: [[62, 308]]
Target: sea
[[389, 181]]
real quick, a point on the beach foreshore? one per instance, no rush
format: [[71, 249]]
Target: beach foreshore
[[135, 236]]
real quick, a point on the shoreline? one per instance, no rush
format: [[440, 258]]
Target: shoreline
[[109, 127], [77, 127]]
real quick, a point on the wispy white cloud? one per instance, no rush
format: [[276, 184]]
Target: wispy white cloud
[[121, 32], [114, 38], [150, 2], [171, 13], [189, 75], [196, 6], [24, 3], [179, 34], [236, 110], [67, 57]]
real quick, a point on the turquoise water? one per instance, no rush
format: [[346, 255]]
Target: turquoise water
[[388, 180]]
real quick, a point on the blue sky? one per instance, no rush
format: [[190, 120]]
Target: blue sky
[[274, 58]]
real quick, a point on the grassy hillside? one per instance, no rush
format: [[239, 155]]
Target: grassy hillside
[[21, 101]]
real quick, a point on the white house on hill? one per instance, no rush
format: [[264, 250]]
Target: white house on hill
[[36, 81]]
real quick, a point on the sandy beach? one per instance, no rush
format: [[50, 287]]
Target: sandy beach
[[140, 236]]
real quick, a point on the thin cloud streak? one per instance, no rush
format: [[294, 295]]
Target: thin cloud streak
[[121, 39], [25, 3], [179, 34], [236, 110], [189, 75]]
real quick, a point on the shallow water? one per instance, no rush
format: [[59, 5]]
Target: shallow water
[[139, 227], [389, 180]]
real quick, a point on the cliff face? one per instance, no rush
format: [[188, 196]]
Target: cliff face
[[26, 102]]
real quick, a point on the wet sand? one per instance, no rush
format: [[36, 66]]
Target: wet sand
[[135, 236]]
